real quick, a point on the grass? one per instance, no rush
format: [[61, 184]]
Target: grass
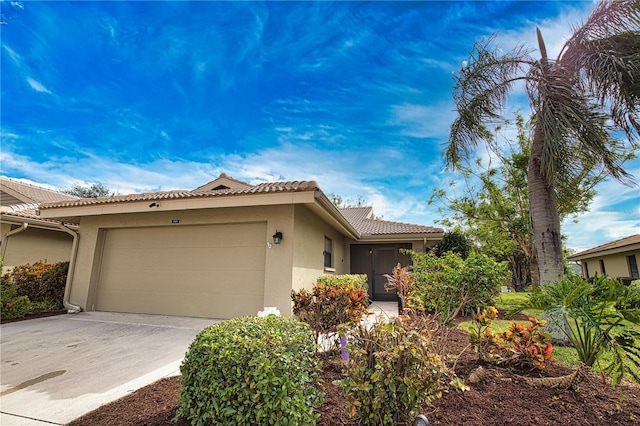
[[563, 355]]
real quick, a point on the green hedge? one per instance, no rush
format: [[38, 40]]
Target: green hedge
[[346, 281], [251, 371]]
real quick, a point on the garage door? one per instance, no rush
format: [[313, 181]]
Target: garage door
[[212, 271]]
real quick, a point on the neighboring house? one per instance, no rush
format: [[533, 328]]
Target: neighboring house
[[24, 236], [225, 249], [617, 259]]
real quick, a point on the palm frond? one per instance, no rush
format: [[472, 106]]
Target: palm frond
[[480, 93], [606, 51]]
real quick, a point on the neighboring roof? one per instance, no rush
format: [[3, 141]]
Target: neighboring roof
[[14, 192], [617, 246], [20, 201], [366, 224]]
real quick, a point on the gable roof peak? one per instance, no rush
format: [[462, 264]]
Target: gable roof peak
[[223, 182]]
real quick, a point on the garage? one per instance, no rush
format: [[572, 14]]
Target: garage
[[210, 271]]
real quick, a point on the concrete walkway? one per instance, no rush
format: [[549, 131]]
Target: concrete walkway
[[56, 369]]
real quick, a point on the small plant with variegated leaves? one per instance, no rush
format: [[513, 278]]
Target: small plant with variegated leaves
[[519, 345]]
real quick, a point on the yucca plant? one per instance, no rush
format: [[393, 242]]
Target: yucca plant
[[601, 315]]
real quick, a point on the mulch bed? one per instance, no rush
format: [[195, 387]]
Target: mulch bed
[[503, 398]]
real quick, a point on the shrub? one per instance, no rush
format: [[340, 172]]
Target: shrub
[[40, 282], [450, 285], [334, 300], [518, 345], [390, 373], [12, 306], [251, 371], [345, 281], [599, 314]]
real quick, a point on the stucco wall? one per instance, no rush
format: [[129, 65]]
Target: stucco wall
[[308, 257], [616, 265], [35, 244], [278, 258]]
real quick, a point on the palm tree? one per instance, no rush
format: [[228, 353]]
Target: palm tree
[[585, 104]]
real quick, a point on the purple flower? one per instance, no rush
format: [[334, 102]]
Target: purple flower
[[343, 349]]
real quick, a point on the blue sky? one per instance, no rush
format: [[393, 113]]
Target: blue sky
[[156, 95]]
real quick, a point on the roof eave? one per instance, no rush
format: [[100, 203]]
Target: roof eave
[[36, 223], [431, 236], [606, 252], [330, 213]]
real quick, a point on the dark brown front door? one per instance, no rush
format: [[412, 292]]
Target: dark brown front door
[[378, 260]]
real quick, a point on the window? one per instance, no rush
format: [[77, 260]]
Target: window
[[586, 269], [633, 266], [602, 270], [328, 246]]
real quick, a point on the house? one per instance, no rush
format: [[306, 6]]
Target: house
[[224, 249], [617, 259], [26, 237]]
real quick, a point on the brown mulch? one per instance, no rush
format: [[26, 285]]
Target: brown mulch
[[502, 399]]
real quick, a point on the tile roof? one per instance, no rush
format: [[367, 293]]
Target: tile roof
[[24, 211], [366, 224], [623, 242], [33, 193], [262, 188]]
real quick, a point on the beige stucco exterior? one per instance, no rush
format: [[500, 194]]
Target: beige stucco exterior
[[292, 264], [32, 244], [209, 252], [619, 259], [615, 265]]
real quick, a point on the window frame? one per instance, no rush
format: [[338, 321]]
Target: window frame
[[328, 254]]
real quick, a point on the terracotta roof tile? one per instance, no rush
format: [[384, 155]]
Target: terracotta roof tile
[[24, 211], [622, 242], [34, 193], [362, 220], [263, 188]]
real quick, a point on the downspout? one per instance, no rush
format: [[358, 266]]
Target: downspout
[[6, 236], [71, 308]]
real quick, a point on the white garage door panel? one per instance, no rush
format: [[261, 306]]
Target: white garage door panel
[[214, 271]]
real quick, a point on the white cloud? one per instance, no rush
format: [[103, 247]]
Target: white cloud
[[423, 121], [37, 86]]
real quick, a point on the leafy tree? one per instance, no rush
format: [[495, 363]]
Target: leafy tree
[[454, 241], [341, 203], [494, 205], [582, 101], [94, 190]]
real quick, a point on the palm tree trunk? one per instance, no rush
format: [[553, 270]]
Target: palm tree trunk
[[534, 269], [545, 220]]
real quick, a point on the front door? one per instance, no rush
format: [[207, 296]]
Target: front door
[[377, 261]]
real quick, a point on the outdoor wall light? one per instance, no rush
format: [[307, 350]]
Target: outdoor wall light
[[277, 237], [152, 205]]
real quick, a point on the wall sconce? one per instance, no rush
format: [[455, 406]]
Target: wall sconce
[[277, 237], [152, 205]]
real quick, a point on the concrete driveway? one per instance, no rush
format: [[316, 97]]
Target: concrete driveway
[[56, 369]]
